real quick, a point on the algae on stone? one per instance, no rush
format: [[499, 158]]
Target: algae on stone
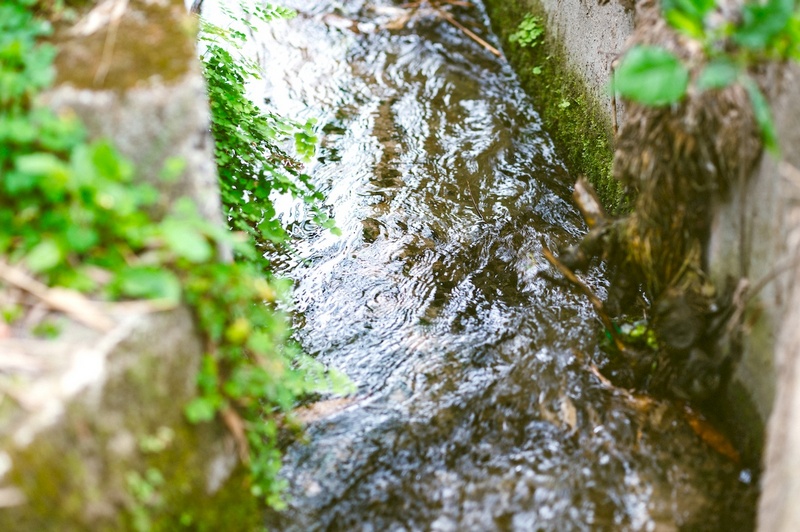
[[571, 113]]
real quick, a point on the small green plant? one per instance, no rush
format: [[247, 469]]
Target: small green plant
[[764, 31], [157, 442], [529, 32], [254, 163]]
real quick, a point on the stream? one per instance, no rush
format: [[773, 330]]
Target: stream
[[477, 407]]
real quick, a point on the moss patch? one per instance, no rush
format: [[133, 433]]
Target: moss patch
[[149, 39], [571, 114]]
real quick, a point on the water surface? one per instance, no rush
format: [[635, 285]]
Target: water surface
[[476, 408]]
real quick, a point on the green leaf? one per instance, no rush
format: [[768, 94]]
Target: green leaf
[[651, 76], [761, 23], [81, 239], [40, 164], [769, 135], [685, 24], [693, 8], [150, 283], [186, 241], [16, 182], [688, 16], [44, 256], [718, 74], [201, 409], [110, 163]]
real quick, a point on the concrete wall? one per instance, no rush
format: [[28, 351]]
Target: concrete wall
[[771, 214], [593, 35]]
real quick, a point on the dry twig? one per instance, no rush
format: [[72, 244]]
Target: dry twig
[[235, 425], [70, 302], [469, 33], [593, 299]]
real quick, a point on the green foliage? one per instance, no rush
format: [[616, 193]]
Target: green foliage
[[254, 369], [652, 76], [254, 164], [251, 143], [26, 67], [528, 33], [639, 334], [688, 16], [74, 215], [768, 30]]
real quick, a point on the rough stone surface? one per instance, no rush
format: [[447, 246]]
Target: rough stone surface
[[93, 413], [772, 237], [150, 98]]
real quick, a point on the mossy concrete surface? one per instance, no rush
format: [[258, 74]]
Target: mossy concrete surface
[[758, 233], [130, 71], [96, 439], [567, 75]]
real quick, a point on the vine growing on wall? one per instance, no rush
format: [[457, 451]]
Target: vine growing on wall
[[251, 143]]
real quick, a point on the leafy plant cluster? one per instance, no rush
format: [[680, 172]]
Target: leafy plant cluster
[[529, 32], [250, 143], [75, 216], [768, 30]]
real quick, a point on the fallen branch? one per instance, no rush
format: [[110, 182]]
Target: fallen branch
[[593, 299], [469, 33], [70, 302], [236, 426]]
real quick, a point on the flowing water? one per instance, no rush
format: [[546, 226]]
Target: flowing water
[[477, 408]]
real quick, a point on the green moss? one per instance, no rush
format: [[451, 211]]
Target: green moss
[[70, 479], [571, 114], [738, 415], [182, 503]]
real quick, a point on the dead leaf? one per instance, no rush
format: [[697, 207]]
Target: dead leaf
[[322, 409], [569, 415], [399, 23], [711, 435], [337, 21]]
